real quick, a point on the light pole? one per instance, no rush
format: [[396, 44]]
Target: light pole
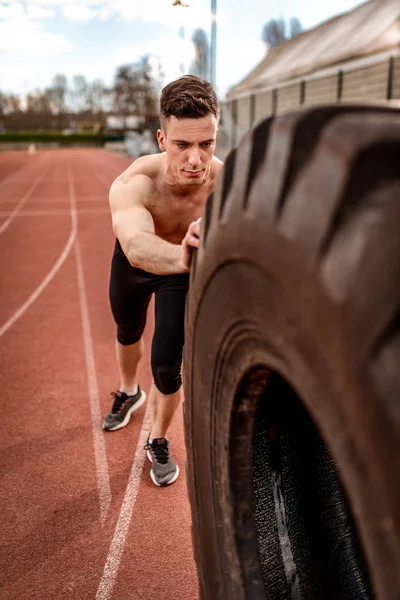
[[213, 44]]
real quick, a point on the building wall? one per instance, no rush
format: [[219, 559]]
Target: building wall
[[288, 97], [370, 82], [243, 116], [264, 105], [321, 91], [396, 78]]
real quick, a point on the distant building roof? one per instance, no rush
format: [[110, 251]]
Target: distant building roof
[[370, 29]]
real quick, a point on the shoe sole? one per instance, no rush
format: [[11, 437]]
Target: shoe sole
[[125, 422], [175, 477]]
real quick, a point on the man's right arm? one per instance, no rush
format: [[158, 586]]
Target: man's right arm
[[133, 225]]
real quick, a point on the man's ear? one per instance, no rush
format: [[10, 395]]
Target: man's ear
[[161, 139]]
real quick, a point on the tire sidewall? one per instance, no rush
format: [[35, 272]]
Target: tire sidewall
[[278, 332]]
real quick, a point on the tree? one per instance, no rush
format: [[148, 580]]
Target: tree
[[14, 103], [125, 100], [38, 102], [80, 93], [58, 92], [200, 66], [136, 89], [3, 103], [295, 27], [275, 32], [97, 96]]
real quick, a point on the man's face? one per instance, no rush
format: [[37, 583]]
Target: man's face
[[189, 145]]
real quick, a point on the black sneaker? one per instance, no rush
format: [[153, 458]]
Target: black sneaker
[[164, 470], [122, 408]]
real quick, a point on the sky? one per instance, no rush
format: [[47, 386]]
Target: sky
[[39, 38]]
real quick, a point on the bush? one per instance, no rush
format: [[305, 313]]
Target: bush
[[57, 137]]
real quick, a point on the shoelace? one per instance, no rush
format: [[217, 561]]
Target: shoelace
[[160, 451], [119, 400]]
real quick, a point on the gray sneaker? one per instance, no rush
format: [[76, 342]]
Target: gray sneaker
[[164, 470], [122, 408]]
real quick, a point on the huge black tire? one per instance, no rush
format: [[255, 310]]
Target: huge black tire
[[292, 363]]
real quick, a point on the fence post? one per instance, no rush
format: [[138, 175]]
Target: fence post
[[389, 93], [302, 92], [252, 109], [234, 122], [274, 101], [339, 89]]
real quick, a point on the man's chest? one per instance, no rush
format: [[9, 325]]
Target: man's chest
[[173, 216]]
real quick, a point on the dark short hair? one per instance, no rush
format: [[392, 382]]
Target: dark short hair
[[188, 97]]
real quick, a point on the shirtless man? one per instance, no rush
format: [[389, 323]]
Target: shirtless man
[[156, 207]]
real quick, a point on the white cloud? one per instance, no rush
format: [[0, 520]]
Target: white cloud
[[13, 76], [160, 11], [245, 50], [61, 3], [52, 3], [79, 12], [151, 11], [105, 13], [21, 36], [11, 11], [169, 51], [34, 11]]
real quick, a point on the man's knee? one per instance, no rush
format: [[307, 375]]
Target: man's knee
[[167, 380], [127, 336]]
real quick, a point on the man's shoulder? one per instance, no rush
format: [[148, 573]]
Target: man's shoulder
[[142, 174], [149, 166], [137, 183]]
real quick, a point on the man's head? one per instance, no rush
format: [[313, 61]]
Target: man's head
[[189, 114]]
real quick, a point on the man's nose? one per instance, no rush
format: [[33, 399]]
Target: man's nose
[[194, 158]]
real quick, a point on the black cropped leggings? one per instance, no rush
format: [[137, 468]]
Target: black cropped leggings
[[130, 293]]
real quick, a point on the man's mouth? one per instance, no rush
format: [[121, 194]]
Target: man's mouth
[[192, 173]]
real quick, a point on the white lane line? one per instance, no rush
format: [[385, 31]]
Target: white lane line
[[101, 470], [17, 174], [22, 201], [45, 282], [102, 476], [113, 561], [57, 212]]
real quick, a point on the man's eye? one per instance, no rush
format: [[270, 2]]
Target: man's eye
[[182, 145], [206, 144]]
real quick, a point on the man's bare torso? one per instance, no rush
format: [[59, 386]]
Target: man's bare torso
[[172, 207]]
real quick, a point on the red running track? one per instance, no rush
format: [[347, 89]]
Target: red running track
[[80, 517]]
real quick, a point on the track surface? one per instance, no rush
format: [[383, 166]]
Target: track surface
[[80, 517]]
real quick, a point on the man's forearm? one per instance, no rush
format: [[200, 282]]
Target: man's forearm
[[149, 252]]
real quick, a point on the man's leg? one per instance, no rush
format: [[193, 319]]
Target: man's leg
[[128, 358], [129, 298], [166, 359], [166, 352], [163, 409], [129, 397]]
